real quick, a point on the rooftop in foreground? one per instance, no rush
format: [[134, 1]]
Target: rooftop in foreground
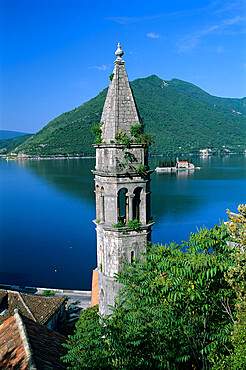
[[26, 344]]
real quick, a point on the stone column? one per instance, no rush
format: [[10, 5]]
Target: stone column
[[130, 202], [146, 206], [102, 206]]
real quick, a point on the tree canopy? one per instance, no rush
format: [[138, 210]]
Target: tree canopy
[[181, 307]]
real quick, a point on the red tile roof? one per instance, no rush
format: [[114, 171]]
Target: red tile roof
[[24, 342], [36, 307], [46, 345], [12, 352]]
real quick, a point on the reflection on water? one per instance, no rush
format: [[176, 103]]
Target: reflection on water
[[47, 207], [71, 176]]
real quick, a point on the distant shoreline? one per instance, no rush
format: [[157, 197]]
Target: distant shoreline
[[174, 169], [13, 158]]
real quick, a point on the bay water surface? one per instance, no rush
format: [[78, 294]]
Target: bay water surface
[[47, 237]]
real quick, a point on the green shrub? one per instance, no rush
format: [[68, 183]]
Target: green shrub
[[97, 132], [141, 169], [136, 130], [49, 292], [134, 224], [122, 138], [120, 223]]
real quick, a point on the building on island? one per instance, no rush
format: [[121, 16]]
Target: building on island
[[184, 165], [122, 188], [175, 167]]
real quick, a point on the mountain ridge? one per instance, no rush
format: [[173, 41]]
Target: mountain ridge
[[181, 117]]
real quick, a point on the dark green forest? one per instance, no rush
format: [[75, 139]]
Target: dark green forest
[[180, 117]]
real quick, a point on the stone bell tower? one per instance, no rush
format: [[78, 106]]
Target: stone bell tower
[[122, 187]]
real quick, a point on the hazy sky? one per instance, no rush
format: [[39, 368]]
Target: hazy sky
[[57, 54]]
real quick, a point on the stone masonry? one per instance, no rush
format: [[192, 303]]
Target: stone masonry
[[119, 112], [122, 193]]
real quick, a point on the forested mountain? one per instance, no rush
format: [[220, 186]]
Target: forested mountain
[[181, 118], [8, 145]]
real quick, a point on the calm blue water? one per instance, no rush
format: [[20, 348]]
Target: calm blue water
[[47, 207]]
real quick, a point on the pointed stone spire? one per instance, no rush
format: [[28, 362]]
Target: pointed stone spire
[[120, 111]]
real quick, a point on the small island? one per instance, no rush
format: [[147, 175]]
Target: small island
[[168, 165]]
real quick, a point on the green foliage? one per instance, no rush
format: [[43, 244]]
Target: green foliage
[[141, 169], [136, 130], [181, 122], [69, 134], [128, 158], [85, 349], [49, 292], [120, 223], [146, 139], [235, 277], [8, 145], [176, 310], [167, 162], [138, 136], [111, 76], [124, 139], [134, 224], [98, 220], [97, 132], [180, 117]]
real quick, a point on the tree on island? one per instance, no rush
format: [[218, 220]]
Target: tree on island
[[176, 310]]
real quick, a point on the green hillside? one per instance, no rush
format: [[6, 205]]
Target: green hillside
[[225, 105], [8, 145], [181, 117]]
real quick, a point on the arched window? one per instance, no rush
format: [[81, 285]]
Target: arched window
[[122, 205], [137, 203]]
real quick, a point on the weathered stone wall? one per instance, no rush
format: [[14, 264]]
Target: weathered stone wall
[[114, 246], [108, 290], [116, 250], [113, 159]]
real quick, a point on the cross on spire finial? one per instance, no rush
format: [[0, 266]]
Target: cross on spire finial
[[119, 52]]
